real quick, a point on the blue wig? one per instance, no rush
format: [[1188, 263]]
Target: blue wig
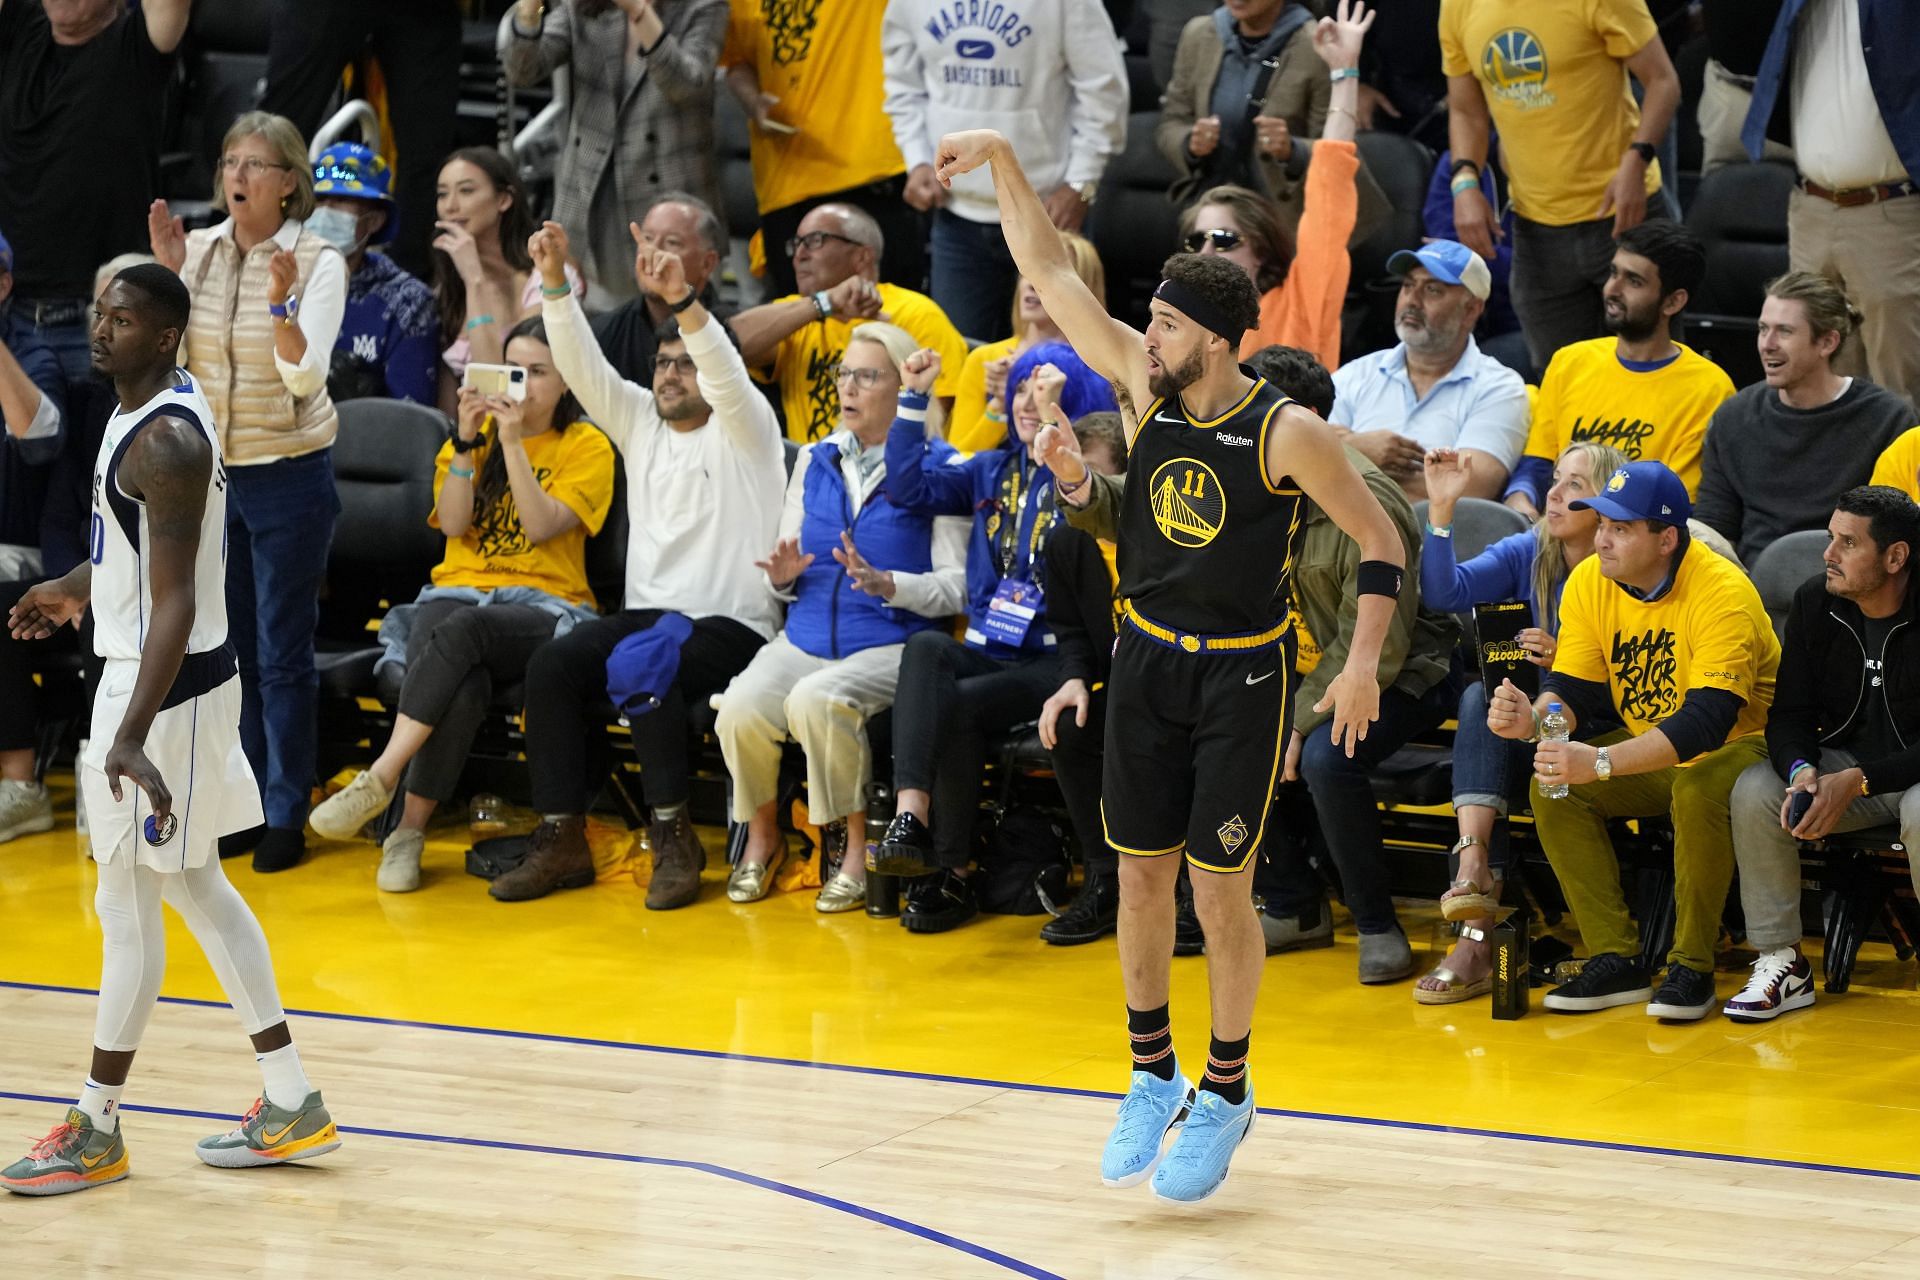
[[1086, 391]]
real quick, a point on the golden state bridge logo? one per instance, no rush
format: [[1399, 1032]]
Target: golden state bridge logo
[[1515, 67], [1188, 504]]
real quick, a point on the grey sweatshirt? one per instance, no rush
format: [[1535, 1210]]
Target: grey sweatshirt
[[1769, 470]]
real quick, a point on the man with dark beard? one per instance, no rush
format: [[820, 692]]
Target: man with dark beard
[[1199, 702], [1436, 390], [1639, 391]]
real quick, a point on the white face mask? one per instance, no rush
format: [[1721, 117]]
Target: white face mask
[[338, 228]]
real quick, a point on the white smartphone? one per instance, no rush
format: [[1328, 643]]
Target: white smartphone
[[509, 380]]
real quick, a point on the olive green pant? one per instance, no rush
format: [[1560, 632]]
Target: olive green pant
[[1698, 797]]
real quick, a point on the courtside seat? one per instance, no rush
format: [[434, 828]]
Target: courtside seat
[[1783, 567], [1865, 879]]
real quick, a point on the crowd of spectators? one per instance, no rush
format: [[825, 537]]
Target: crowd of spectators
[[833, 502]]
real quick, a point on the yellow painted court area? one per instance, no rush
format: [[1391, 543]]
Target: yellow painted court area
[[543, 1155]]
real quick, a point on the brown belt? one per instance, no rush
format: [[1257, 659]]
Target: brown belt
[[1850, 197]]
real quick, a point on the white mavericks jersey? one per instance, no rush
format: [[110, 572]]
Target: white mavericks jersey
[[118, 543]]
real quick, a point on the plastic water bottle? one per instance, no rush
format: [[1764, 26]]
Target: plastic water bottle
[[1553, 728]]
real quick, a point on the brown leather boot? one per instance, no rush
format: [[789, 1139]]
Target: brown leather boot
[[678, 860], [557, 858]]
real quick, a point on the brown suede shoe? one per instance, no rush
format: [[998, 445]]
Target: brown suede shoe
[[557, 858], [678, 860]]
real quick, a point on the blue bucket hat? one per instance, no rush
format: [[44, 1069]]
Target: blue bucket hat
[[349, 171], [643, 666]]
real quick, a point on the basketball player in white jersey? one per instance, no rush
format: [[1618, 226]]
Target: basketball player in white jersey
[[164, 776]]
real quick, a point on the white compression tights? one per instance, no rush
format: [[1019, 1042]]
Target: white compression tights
[[135, 951]]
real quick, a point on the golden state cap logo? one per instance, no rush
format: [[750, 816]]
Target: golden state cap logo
[[1618, 482], [1189, 507]]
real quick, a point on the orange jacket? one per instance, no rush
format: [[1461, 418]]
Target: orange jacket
[[1304, 309]]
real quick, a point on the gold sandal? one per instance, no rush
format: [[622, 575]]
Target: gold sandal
[[1457, 991], [1465, 899]]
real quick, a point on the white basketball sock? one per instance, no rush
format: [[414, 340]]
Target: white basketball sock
[[101, 1102], [284, 1082]]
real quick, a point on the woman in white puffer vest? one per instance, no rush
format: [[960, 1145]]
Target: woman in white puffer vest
[[268, 296]]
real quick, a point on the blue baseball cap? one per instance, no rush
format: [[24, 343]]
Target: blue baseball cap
[[1448, 261], [642, 668], [349, 171], [1641, 491]]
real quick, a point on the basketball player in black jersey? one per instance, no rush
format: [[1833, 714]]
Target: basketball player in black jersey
[[1199, 710]]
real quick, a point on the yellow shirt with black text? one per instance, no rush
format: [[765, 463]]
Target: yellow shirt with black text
[[1899, 466], [1554, 79], [1658, 415], [1709, 631], [805, 361], [576, 467]]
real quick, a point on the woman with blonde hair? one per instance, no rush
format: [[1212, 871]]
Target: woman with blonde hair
[[979, 419], [1531, 567], [268, 297], [859, 575]]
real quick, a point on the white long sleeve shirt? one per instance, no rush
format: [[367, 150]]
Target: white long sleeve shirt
[[702, 505], [1046, 73]]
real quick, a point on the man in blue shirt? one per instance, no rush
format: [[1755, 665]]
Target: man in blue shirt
[[389, 336], [1435, 390]]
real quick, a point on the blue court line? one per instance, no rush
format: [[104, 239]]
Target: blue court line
[[1325, 1117], [981, 1252]]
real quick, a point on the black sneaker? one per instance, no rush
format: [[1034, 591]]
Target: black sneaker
[[1605, 982], [1685, 996], [907, 849], [280, 849], [939, 902], [1092, 915], [1189, 939]]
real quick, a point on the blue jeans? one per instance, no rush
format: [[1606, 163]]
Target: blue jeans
[[1485, 764], [72, 345], [280, 519], [973, 276], [1349, 816]]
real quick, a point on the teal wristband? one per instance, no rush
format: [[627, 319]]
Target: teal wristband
[[548, 291], [477, 321], [1345, 73], [1440, 531], [464, 475]]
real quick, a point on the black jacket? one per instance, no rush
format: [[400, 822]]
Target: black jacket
[[1079, 605], [1822, 683]]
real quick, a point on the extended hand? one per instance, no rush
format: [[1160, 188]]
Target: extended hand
[[866, 579], [785, 564], [1354, 699], [43, 610], [167, 236]]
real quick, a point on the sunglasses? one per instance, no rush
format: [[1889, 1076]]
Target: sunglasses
[[1223, 240]]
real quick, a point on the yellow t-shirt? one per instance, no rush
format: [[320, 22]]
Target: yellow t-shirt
[[1899, 466], [821, 59], [968, 429], [1661, 415], [1709, 631], [803, 365], [1553, 75], [575, 466]]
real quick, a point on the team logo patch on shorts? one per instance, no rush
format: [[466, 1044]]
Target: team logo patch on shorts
[[160, 830], [1232, 833]]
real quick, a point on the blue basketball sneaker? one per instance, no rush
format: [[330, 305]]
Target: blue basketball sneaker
[[1151, 1108], [1197, 1163]]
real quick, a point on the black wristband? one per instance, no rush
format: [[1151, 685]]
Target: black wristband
[[1458, 165], [1647, 152], [677, 307], [1378, 578], [465, 446]]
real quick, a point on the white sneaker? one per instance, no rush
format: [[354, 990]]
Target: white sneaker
[[341, 815], [400, 861], [25, 807], [1781, 983]]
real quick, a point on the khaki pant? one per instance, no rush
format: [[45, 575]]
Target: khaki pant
[[1724, 100], [823, 704], [1574, 833], [1869, 250]]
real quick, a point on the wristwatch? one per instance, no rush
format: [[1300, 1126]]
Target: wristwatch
[[1602, 764], [823, 303], [1645, 150], [1086, 191], [285, 312]]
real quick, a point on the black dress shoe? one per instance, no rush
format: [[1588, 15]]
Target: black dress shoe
[[907, 849], [280, 849], [1092, 915], [939, 902], [239, 842], [1189, 939]]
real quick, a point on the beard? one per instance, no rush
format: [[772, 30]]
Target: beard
[[680, 408], [1634, 326], [1173, 379], [1424, 336]]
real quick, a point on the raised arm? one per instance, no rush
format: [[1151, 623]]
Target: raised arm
[[1111, 348], [615, 405], [913, 479], [166, 22], [535, 47], [739, 410]]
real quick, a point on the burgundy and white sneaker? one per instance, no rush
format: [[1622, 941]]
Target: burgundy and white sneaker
[[1782, 982]]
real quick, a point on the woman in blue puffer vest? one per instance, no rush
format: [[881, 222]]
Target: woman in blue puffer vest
[[862, 573], [954, 693]]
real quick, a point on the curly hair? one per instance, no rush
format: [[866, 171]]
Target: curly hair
[[1220, 282]]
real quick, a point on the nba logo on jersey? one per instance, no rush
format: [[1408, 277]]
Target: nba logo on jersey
[[159, 830]]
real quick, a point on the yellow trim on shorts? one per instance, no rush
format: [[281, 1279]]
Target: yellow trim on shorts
[[1273, 778], [1135, 853]]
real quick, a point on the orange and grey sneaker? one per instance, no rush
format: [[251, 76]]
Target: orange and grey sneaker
[[273, 1135], [74, 1157]]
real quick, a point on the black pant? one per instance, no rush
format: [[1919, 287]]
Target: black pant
[[455, 653], [903, 262], [418, 45], [951, 697], [19, 695], [567, 681], [1078, 756]]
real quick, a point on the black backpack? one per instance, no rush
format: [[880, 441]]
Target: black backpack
[[1022, 854]]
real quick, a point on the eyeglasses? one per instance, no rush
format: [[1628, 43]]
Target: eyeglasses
[[249, 166], [682, 365], [865, 379], [815, 241], [1223, 240]]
